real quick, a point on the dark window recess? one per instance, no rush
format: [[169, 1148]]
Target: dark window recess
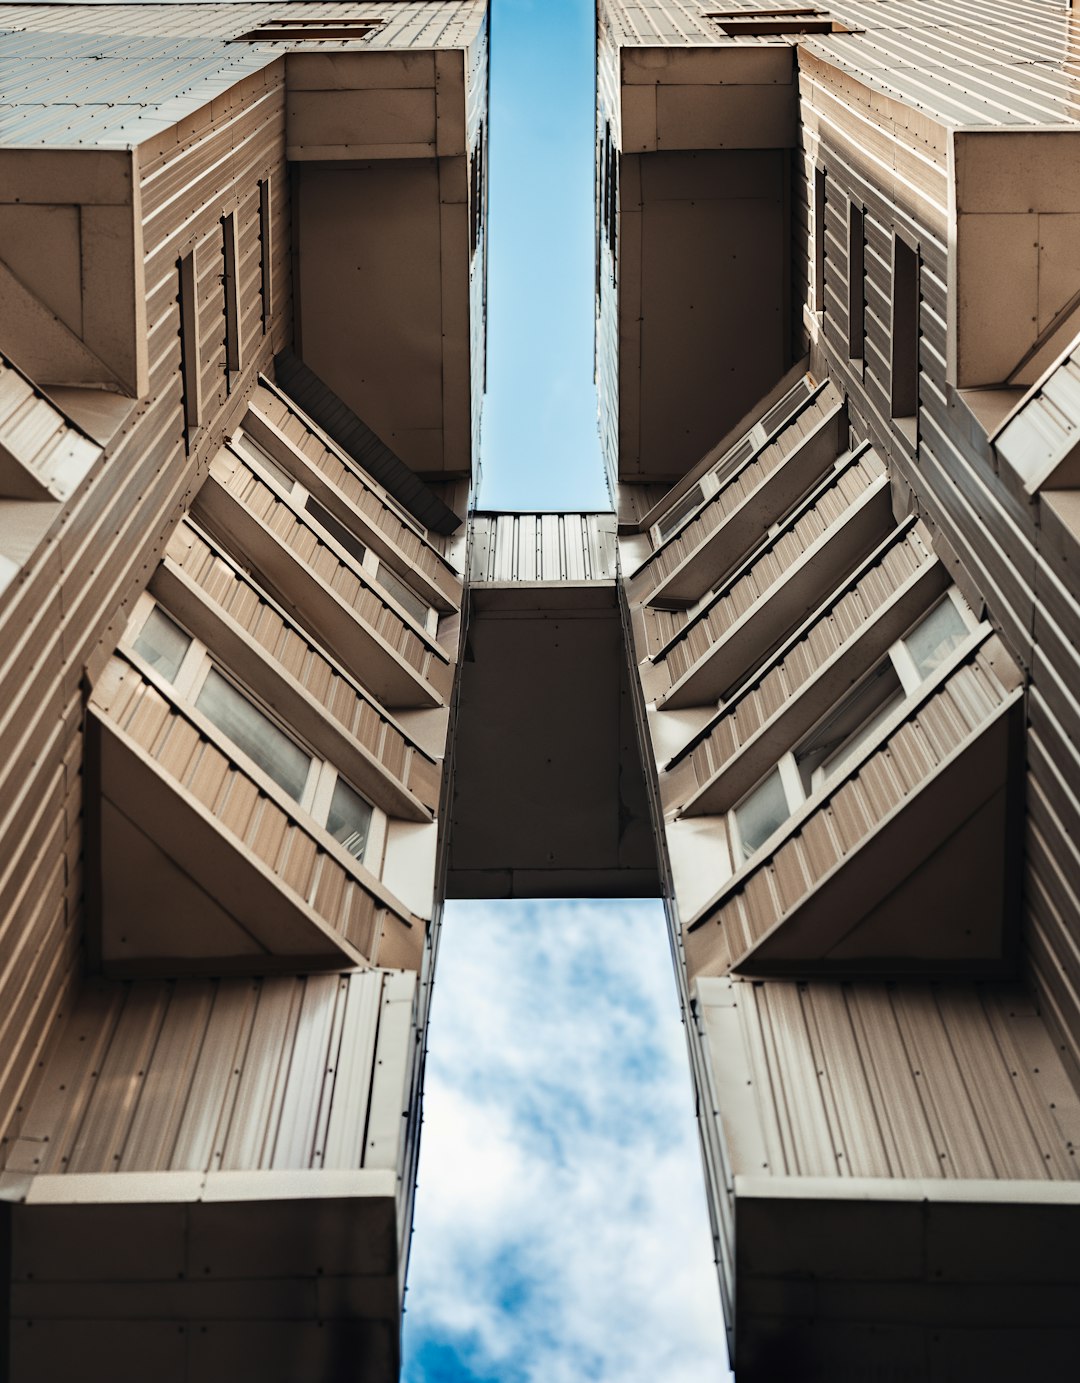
[[819, 239], [266, 253], [337, 530], [476, 190], [856, 304], [904, 362], [308, 30], [191, 381], [791, 20], [232, 294]]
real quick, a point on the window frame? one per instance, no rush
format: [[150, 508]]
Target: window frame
[[856, 288], [184, 689], [904, 334], [912, 683], [298, 494], [755, 439]]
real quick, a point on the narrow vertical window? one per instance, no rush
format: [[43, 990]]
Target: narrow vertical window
[[856, 281], [266, 252], [189, 342], [905, 330], [819, 240], [232, 294]]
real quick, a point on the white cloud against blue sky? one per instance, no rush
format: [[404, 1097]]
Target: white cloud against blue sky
[[561, 1230]]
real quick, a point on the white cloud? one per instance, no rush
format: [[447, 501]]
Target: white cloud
[[561, 1231]]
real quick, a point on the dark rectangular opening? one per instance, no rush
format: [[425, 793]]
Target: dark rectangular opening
[[856, 304], [904, 363], [266, 252], [189, 343], [819, 239], [232, 294]]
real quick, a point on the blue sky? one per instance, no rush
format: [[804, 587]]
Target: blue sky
[[561, 1234], [540, 447]]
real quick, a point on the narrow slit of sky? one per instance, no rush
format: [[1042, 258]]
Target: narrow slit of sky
[[561, 1228]]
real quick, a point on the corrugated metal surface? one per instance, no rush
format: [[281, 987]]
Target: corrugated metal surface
[[681, 639], [42, 453], [68, 607], [353, 435], [69, 91], [200, 761], [745, 483], [1045, 429], [422, 24], [836, 826], [795, 664], [998, 63], [900, 1081], [542, 547], [342, 697], [290, 529], [408, 542], [212, 1075]]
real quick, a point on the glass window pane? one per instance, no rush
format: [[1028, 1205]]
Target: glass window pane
[[931, 642], [254, 733], [680, 510], [851, 726], [350, 819], [407, 598], [341, 535], [763, 812], [732, 460], [782, 411], [163, 644], [251, 451]]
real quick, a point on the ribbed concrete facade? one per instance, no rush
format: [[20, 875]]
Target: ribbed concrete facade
[[265, 668]]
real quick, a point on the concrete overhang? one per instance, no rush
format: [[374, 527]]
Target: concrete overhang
[[549, 793], [72, 282], [895, 1172], [381, 144], [703, 245]]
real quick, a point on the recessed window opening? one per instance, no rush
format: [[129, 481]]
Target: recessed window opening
[[232, 294], [190, 376], [819, 240], [309, 30], [315, 785], [904, 351], [856, 305], [399, 591], [241, 721], [722, 470], [824, 754], [266, 253], [257, 454], [794, 20]]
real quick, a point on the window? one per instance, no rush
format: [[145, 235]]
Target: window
[[904, 363], [232, 294], [198, 681], [392, 585], [794, 19], [266, 255], [856, 281], [308, 30], [240, 720], [819, 240], [190, 379], [476, 190], [721, 471], [823, 755]]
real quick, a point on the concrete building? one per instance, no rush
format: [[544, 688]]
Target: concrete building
[[273, 687]]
